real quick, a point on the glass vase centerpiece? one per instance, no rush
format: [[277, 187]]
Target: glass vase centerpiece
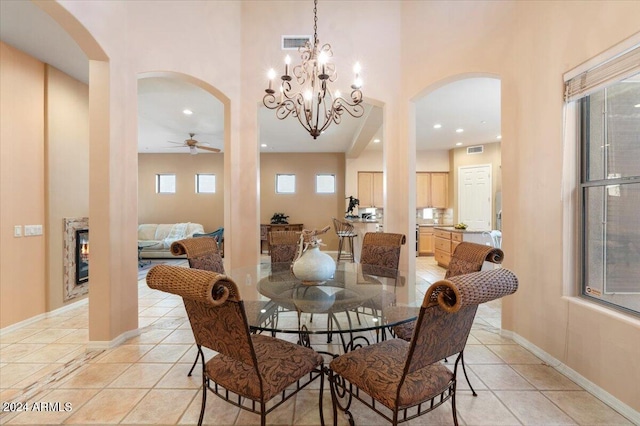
[[312, 266]]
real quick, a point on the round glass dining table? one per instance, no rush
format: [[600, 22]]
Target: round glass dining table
[[358, 304]]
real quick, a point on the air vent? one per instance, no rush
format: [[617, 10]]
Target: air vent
[[475, 149], [294, 42]]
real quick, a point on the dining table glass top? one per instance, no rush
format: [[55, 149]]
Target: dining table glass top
[[357, 298]]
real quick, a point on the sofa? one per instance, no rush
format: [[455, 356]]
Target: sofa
[[163, 235]]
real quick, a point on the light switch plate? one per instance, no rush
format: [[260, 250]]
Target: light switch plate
[[17, 231]]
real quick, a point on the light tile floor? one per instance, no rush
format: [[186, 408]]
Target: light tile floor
[[144, 381]]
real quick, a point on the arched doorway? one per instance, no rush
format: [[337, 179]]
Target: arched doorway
[[181, 127], [457, 127]]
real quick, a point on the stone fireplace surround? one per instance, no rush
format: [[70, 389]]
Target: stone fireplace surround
[[70, 288]]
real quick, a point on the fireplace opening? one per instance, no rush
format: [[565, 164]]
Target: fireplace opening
[[82, 256]]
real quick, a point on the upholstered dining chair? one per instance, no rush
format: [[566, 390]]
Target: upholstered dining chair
[[202, 253], [408, 378], [284, 245], [218, 234], [249, 371], [467, 258], [382, 249]]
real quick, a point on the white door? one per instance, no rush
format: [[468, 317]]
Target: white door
[[474, 196]]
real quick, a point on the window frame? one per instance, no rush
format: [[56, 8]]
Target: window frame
[[159, 183], [584, 183], [197, 182], [332, 175], [277, 185]]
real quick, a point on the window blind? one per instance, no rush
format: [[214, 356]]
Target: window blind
[[617, 68]]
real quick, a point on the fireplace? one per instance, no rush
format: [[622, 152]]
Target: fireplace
[[75, 257], [82, 256]]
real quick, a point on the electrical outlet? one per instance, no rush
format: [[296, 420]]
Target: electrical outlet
[[17, 231]]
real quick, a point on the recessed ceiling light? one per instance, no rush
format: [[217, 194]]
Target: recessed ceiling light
[[187, 112], [437, 126], [376, 141], [459, 143], [459, 130], [264, 145], [636, 106], [483, 122], [499, 137]]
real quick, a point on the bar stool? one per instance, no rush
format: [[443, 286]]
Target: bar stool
[[344, 230]]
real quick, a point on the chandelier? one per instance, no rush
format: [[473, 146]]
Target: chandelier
[[313, 103]]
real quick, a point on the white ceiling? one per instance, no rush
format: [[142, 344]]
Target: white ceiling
[[472, 104]]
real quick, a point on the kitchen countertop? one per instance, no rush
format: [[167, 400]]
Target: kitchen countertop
[[431, 225], [461, 231], [361, 220]]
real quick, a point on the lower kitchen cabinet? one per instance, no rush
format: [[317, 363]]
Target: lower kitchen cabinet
[[426, 241], [445, 244]]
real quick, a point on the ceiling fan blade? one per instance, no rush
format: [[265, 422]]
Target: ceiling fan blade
[[177, 143], [207, 148]]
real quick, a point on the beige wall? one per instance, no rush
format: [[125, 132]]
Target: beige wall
[[529, 45], [53, 130], [22, 185], [432, 161], [313, 210], [459, 158], [185, 205], [67, 159]]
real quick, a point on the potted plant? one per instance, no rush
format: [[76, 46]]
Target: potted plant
[[279, 219]]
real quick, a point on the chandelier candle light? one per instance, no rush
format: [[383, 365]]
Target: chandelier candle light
[[315, 106]]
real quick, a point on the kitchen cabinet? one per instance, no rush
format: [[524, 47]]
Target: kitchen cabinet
[[445, 244], [370, 189], [432, 190], [426, 241]]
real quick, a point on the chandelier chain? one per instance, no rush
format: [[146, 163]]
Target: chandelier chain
[[315, 22]]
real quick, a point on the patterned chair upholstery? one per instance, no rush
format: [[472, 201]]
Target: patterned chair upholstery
[[382, 249], [249, 370], [408, 377], [467, 258], [381, 252], [218, 234], [284, 245], [202, 253]]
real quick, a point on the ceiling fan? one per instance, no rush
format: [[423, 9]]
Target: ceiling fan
[[194, 145]]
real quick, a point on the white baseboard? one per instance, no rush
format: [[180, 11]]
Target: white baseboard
[[102, 345], [34, 319], [579, 379]]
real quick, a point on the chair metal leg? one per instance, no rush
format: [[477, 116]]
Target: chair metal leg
[[199, 355], [464, 370], [204, 396], [320, 397]]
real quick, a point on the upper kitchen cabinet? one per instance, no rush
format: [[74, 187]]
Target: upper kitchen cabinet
[[432, 190], [370, 189]]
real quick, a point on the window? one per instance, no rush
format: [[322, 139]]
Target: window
[[166, 184], [325, 184], [285, 184], [205, 183], [610, 192]]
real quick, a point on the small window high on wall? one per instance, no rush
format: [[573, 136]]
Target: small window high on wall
[[607, 100], [205, 183], [325, 184], [285, 184], [166, 183]]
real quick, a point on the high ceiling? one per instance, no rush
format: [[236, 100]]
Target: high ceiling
[[472, 104]]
